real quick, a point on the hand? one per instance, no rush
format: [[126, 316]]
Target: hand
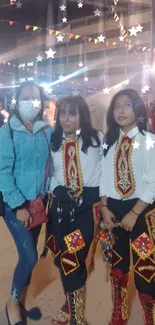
[[129, 221], [108, 218], [23, 215]]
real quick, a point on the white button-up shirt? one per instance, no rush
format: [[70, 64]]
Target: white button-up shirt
[[90, 166], [143, 165]]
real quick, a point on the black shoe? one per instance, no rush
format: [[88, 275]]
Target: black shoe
[[8, 319], [33, 314]]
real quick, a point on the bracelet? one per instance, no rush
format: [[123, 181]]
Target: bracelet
[[135, 213], [103, 205]]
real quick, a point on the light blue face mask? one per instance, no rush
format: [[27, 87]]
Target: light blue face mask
[[27, 110]]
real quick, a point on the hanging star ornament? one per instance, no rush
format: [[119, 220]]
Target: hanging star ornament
[[62, 8], [86, 79], [80, 64], [97, 12], [60, 38], [19, 4], [64, 20], [80, 5], [50, 53], [133, 31], [101, 38], [139, 28], [39, 58], [136, 145]]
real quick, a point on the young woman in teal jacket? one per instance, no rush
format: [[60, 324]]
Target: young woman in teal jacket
[[24, 148]]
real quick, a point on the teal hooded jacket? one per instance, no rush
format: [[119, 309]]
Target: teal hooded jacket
[[23, 161]]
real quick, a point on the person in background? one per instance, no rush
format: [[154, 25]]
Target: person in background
[[49, 112], [24, 147], [76, 155], [4, 115], [127, 191]]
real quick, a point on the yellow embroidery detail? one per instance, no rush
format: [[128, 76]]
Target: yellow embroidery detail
[[143, 246], [79, 300], [74, 241], [65, 260], [124, 305]]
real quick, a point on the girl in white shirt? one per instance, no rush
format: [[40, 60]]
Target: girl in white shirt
[[127, 191], [74, 214]]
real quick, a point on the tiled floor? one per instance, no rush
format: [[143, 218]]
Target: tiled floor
[[46, 287]]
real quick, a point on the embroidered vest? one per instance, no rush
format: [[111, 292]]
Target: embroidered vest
[[72, 167], [124, 178]]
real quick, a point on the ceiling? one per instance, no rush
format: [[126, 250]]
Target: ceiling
[[47, 12]]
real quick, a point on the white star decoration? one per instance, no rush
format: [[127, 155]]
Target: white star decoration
[[78, 132], [80, 5], [80, 64], [86, 79], [19, 4], [106, 91], [121, 38], [149, 143], [36, 103], [62, 8], [97, 12], [49, 91], [39, 58], [50, 53], [60, 38], [145, 89], [133, 31], [139, 28], [64, 20], [140, 119], [101, 38], [13, 101], [136, 145], [5, 120], [105, 146]]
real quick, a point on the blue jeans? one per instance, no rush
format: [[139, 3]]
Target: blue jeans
[[26, 242]]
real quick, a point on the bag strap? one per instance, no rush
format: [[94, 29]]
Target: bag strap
[[47, 167]]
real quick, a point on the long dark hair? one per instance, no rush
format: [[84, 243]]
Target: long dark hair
[[139, 109], [88, 133], [25, 85]]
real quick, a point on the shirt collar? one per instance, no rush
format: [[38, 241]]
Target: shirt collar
[[65, 139], [131, 133]]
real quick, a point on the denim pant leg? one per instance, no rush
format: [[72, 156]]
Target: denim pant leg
[[35, 235], [27, 252]]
